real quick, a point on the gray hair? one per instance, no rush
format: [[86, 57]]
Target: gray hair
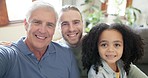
[[39, 4]]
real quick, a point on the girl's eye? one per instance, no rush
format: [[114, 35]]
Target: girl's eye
[[104, 45], [117, 45]]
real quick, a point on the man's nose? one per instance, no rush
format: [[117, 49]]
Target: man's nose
[[71, 27], [43, 28]]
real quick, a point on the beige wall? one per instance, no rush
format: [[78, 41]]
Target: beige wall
[[14, 31]]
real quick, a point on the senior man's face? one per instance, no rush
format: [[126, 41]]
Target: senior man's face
[[40, 28]]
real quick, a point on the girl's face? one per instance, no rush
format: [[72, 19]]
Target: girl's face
[[110, 46]]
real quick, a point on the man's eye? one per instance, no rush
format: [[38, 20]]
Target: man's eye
[[50, 25], [36, 22], [64, 24], [76, 22]]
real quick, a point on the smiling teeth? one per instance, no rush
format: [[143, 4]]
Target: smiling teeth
[[110, 56], [41, 37], [72, 35]]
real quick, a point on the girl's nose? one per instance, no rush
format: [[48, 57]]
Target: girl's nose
[[110, 48]]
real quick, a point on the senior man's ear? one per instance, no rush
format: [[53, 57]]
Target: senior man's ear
[[25, 24]]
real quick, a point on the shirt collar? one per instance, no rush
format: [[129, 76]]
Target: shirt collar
[[108, 69]]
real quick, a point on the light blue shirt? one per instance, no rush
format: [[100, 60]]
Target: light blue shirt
[[17, 61], [106, 72]]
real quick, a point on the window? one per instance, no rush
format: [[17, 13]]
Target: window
[[109, 7], [17, 8], [116, 7], [56, 3]]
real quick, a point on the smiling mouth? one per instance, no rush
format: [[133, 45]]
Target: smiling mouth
[[110, 56], [72, 35], [41, 37]]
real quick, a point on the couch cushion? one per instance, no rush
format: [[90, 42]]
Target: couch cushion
[[144, 34]]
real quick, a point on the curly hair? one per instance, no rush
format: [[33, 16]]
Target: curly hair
[[132, 51]]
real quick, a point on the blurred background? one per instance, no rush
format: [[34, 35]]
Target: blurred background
[[134, 13]]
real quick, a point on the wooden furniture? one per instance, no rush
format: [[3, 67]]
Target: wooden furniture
[[3, 13]]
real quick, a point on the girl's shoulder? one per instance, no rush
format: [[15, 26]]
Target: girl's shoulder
[[92, 73]]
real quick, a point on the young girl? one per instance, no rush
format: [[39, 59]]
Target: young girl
[[109, 50]]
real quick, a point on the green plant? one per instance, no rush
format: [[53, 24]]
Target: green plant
[[93, 18], [93, 14], [131, 14]]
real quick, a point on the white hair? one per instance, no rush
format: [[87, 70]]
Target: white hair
[[39, 4]]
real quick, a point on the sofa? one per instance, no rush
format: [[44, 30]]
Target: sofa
[[143, 63]]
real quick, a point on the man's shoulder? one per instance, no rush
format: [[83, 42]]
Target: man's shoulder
[[61, 47], [62, 51], [4, 48], [7, 52], [61, 42]]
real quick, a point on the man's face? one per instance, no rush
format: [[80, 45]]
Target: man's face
[[71, 26], [40, 28]]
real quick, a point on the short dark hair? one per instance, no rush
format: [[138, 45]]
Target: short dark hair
[[70, 7]]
